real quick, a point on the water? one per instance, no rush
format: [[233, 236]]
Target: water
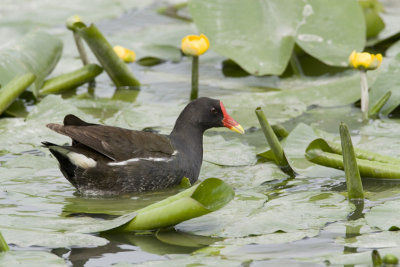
[[273, 220]]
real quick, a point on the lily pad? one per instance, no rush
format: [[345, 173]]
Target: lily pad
[[37, 52], [241, 31], [385, 216], [387, 81], [208, 196], [34, 237], [224, 152], [292, 213], [31, 258]]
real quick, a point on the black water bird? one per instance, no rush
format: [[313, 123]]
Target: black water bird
[[110, 160]]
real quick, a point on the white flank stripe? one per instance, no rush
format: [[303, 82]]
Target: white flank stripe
[[126, 162], [81, 160]]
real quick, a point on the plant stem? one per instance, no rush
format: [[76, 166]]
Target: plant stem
[[295, 65], [273, 142], [118, 71], [376, 258], [195, 78], [3, 244], [353, 178], [364, 94], [81, 48]]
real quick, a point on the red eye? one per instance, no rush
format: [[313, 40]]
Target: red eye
[[214, 110]]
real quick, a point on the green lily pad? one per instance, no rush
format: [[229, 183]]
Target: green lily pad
[[34, 237], [183, 239], [224, 152], [37, 52], [372, 240], [277, 25], [281, 214], [385, 216], [387, 81], [295, 146], [26, 258]]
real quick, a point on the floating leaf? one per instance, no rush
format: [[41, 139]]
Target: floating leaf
[[177, 238], [13, 89], [31, 258], [370, 164], [70, 80], [291, 213], [295, 145], [221, 151], [51, 239], [210, 195], [241, 31], [385, 216], [387, 81], [37, 52]]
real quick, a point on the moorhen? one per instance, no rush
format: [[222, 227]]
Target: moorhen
[[110, 160]]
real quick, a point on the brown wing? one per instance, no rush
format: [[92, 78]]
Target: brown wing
[[114, 142]]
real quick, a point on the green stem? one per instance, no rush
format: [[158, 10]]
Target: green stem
[[295, 65], [195, 78], [380, 103], [364, 94], [3, 244], [353, 178], [273, 142], [376, 258], [118, 71], [70, 80], [81, 48], [14, 88]]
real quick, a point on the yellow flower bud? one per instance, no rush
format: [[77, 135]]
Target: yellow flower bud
[[365, 61], [125, 54], [195, 45]]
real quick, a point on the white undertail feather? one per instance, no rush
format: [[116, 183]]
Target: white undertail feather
[[81, 160]]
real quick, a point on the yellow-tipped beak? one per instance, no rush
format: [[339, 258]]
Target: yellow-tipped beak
[[237, 128], [229, 122]]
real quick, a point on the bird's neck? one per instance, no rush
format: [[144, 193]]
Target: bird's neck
[[188, 134]]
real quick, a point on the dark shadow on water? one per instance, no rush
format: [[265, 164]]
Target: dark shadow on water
[[134, 248], [276, 187], [99, 206]]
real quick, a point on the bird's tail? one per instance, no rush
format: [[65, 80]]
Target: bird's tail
[[67, 166]]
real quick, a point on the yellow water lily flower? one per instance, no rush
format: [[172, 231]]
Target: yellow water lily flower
[[365, 60], [125, 54], [195, 45]]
